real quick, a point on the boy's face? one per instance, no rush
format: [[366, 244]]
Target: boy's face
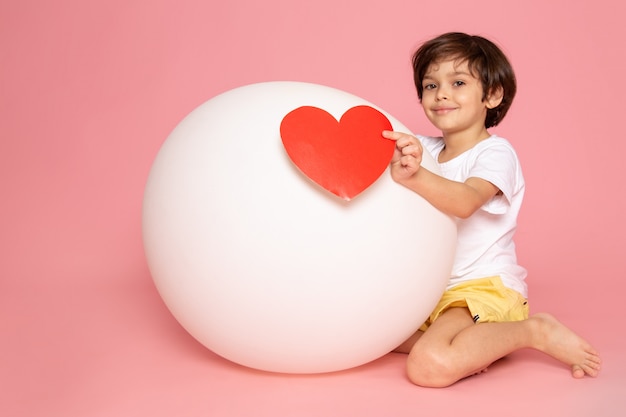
[[453, 98]]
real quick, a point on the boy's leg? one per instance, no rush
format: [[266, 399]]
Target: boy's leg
[[431, 353], [454, 347]]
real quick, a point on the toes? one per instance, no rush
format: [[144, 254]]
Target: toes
[[590, 368], [577, 371]]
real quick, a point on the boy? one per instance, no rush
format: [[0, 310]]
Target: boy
[[466, 85]]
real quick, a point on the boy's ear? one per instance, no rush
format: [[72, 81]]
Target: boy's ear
[[494, 98]]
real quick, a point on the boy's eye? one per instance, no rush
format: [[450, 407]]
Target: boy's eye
[[459, 83], [429, 86]]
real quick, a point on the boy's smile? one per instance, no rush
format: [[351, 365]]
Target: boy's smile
[[441, 110]]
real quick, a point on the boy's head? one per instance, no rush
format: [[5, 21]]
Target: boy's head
[[484, 59]]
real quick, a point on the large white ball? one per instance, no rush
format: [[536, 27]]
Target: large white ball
[[269, 270]]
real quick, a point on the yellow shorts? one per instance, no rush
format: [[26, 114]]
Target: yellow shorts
[[487, 299]]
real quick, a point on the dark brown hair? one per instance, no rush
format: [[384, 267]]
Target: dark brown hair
[[484, 59]]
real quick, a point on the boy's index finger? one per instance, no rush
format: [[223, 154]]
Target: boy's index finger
[[390, 134], [402, 139]]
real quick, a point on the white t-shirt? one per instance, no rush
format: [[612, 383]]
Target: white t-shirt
[[485, 240]]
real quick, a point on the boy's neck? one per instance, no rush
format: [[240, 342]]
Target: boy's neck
[[457, 143]]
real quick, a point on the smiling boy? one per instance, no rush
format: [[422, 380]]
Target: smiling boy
[[466, 86]]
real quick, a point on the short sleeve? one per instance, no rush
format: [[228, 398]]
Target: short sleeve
[[498, 164], [432, 145]]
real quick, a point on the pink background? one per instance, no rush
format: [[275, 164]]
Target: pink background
[[89, 90]]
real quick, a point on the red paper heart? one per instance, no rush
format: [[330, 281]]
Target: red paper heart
[[343, 157]]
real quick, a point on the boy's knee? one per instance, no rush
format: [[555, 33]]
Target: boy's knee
[[429, 369]]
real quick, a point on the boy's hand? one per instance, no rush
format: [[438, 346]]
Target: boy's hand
[[407, 156]]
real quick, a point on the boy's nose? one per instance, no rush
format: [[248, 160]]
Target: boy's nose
[[442, 94]]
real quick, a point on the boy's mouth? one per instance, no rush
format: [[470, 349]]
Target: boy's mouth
[[442, 110]]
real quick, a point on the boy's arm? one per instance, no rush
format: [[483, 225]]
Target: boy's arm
[[460, 199]]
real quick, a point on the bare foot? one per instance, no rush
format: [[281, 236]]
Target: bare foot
[[563, 344]]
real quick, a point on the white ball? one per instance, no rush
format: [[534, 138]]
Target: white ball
[[269, 270]]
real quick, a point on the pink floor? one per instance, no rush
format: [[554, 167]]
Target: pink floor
[[90, 90], [116, 351]]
